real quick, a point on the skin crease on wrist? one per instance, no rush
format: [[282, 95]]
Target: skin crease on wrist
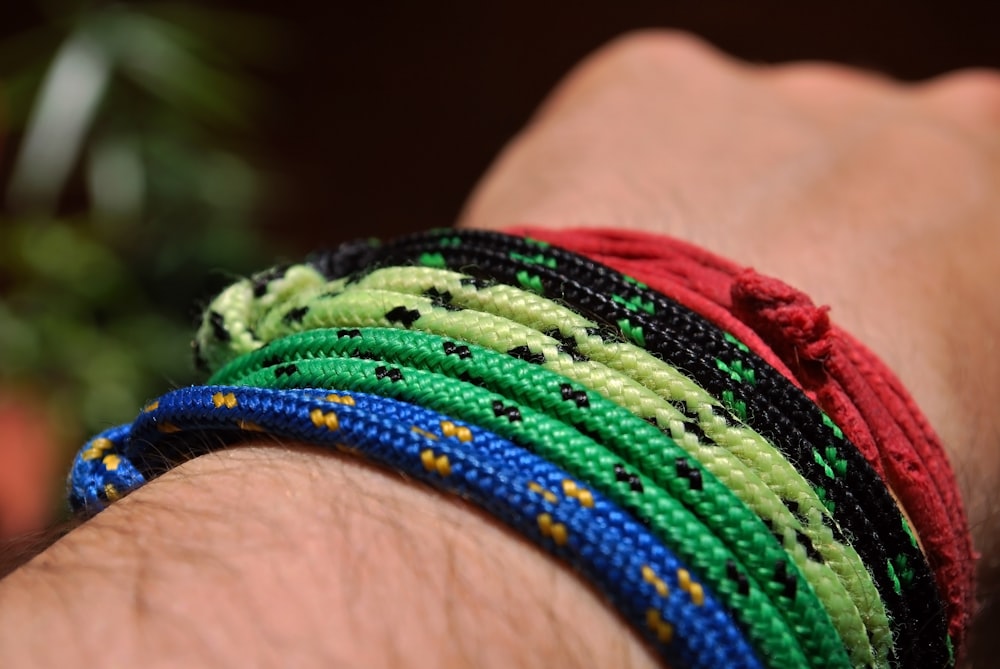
[[874, 197]]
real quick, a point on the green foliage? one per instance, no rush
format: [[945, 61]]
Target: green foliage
[[132, 195]]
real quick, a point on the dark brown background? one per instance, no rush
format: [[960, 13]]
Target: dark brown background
[[382, 115], [396, 109]]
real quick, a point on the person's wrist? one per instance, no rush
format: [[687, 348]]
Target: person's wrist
[[331, 558]]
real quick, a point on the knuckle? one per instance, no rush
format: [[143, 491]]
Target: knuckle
[[657, 46], [832, 75], [976, 86], [972, 95], [633, 65], [979, 77], [627, 63]]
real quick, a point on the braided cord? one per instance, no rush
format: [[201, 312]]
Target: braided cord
[[817, 448], [655, 592], [592, 415], [623, 391], [588, 461]]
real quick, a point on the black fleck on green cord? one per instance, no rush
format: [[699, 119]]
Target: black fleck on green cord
[[592, 415]]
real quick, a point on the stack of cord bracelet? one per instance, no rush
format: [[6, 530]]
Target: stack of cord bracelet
[[751, 390], [278, 303], [704, 494]]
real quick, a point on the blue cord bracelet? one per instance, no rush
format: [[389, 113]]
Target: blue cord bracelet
[[643, 579]]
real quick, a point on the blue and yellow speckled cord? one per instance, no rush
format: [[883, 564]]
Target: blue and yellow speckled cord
[[657, 593]]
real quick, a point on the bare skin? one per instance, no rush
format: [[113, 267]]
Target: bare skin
[[877, 198]]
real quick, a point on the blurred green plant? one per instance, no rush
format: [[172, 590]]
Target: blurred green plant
[[131, 194]]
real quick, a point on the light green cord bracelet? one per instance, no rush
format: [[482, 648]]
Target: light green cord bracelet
[[749, 447], [370, 308], [589, 461]]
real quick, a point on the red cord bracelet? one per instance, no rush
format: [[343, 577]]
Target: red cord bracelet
[[847, 380]]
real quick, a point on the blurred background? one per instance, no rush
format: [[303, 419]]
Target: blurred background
[[150, 152]]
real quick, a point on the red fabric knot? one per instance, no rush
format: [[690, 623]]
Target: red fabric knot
[[785, 318]]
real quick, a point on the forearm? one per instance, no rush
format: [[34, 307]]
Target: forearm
[[337, 562]]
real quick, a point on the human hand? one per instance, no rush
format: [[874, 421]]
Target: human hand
[[878, 198]]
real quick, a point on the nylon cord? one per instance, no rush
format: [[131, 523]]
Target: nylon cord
[[655, 592]]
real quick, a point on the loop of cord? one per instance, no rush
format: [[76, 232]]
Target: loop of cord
[[780, 528], [657, 593], [832, 568], [693, 513]]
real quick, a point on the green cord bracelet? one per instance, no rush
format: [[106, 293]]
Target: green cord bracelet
[[591, 414], [579, 455], [299, 286]]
